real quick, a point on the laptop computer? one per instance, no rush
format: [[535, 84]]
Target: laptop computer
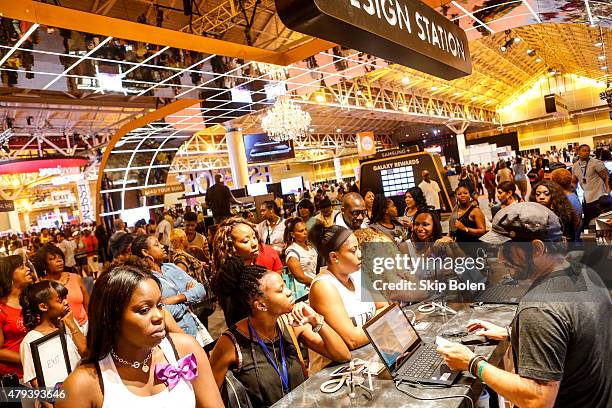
[[403, 351]]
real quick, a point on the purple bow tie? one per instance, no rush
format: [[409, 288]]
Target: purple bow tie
[[187, 368]]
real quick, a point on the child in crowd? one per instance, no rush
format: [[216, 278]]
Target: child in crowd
[[46, 310]]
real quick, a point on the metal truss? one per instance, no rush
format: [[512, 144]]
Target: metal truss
[[40, 146], [366, 96], [202, 152], [225, 16]]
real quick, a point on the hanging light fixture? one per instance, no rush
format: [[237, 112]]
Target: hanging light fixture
[[274, 72], [286, 120]]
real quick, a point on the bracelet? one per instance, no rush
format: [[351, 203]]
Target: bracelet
[[319, 325], [473, 364], [484, 363]]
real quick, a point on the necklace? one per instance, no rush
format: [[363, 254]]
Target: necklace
[[136, 364]]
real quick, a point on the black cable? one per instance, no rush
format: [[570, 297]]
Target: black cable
[[462, 396]]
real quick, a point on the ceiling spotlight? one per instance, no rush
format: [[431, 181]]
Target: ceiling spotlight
[[605, 67], [517, 39], [503, 48], [601, 57], [311, 130], [531, 52], [538, 59], [405, 80], [456, 94], [404, 108], [359, 92], [338, 130], [320, 97], [552, 71], [598, 44], [369, 104], [434, 88]]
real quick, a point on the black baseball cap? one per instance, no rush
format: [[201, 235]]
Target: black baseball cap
[[524, 222], [325, 203]]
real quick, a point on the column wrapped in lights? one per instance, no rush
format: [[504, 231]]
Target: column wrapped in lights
[[286, 120]]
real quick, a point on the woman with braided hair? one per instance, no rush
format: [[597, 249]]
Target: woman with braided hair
[[237, 237], [264, 349]]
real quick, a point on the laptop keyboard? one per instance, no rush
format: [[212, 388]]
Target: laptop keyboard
[[425, 365]]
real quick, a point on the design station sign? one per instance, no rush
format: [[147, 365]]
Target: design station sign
[[406, 32]]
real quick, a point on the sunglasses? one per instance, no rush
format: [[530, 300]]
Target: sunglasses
[[358, 213]]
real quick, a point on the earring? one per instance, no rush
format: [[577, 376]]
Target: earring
[[337, 260]]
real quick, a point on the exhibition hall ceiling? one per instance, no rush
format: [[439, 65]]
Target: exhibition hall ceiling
[[58, 83]]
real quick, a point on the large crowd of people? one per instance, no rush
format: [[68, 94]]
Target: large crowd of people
[[134, 303]]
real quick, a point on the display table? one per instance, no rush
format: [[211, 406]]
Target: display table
[[385, 393]]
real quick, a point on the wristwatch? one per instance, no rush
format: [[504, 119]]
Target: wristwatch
[[467, 229], [319, 325]]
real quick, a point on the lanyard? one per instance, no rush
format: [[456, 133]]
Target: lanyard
[[584, 170], [282, 374]]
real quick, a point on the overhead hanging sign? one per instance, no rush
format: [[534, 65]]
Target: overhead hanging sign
[[406, 32], [366, 144], [7, 205]]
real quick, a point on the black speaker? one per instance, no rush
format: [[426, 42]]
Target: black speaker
[[187, 7]]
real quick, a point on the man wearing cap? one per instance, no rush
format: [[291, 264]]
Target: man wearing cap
[[561, 334], [353, 214]]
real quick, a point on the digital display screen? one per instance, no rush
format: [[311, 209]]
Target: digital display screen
[[260, 148], [396, 181], [292, 185], [257, 189]]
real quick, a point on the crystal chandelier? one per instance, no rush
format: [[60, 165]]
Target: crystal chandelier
[[274, 72], [286, 120]]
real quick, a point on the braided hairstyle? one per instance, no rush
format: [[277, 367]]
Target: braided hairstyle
[[235, 285], [223, 243], [33, 295]]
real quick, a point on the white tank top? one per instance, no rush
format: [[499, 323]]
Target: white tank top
[[117, 395], [359, 311]]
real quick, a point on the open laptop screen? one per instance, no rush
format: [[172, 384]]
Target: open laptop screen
[[393, 336]]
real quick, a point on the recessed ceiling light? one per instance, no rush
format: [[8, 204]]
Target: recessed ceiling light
[[405, 80], [598, 44], [434, 88], [339, 130], [517, 39], [601, 57], [538, 59]]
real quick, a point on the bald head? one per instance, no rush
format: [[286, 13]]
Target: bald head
[[425, 175], [353, 210]]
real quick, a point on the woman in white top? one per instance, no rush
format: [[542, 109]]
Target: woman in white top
[[335, 292], [45, 310], [300, 256], [131, 361]]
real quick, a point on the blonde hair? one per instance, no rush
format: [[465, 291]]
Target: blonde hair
[[223, 243], [177, 237]]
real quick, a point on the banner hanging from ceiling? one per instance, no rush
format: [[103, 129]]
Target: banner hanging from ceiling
[[406, 32]]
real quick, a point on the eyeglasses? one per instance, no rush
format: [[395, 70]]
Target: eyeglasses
[[358, 213]]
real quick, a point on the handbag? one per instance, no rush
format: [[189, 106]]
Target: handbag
[[203, 337], [234, 394]]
